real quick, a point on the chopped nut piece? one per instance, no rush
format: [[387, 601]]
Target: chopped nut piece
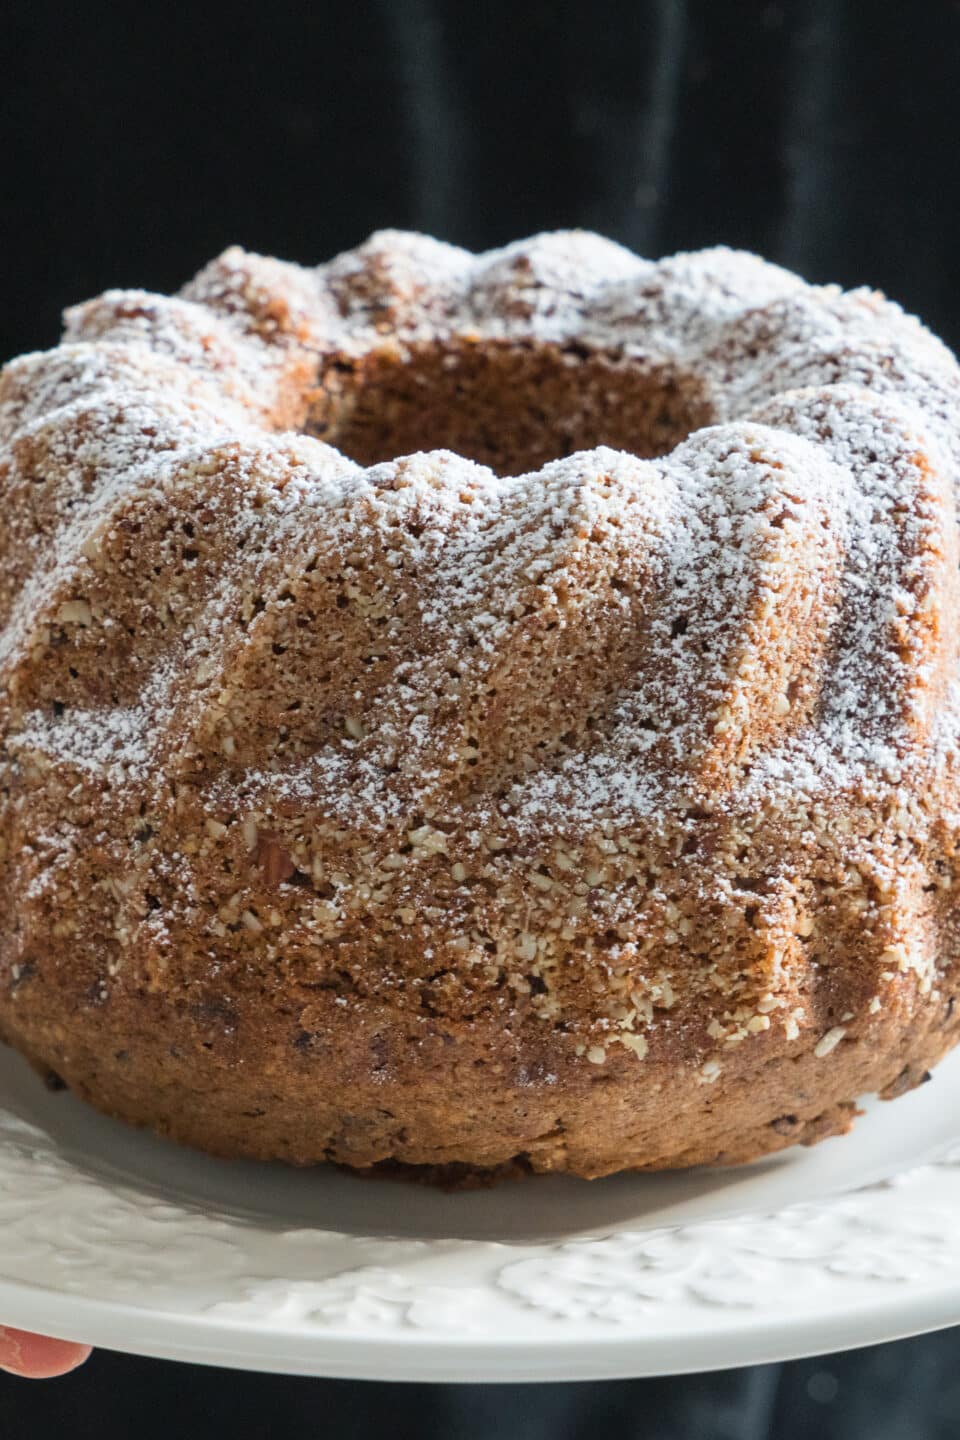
[[428, 839], [829, 1042], [274, 860], [898, 955], [75, 612], [636, 1043]]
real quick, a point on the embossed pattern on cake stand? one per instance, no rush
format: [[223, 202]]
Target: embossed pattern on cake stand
[[113, 1236]]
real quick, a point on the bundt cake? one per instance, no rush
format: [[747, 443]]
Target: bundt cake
[[482, 710]]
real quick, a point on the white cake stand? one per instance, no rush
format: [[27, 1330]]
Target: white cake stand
[[115, 1237]]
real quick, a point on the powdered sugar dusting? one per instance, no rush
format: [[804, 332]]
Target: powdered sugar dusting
[[141, 378]]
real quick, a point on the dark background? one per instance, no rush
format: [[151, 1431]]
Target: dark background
[[136, 142]]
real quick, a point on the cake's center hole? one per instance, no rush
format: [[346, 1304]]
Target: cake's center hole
[[512, 407]]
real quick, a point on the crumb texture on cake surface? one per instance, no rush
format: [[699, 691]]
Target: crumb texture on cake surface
[[482, 712]]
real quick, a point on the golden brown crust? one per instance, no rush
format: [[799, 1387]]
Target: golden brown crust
[[444, 1109]]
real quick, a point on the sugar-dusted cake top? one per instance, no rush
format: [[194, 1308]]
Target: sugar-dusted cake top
[[771, 596]]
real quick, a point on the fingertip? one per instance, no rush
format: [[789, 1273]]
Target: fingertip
[[37, 1357]]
